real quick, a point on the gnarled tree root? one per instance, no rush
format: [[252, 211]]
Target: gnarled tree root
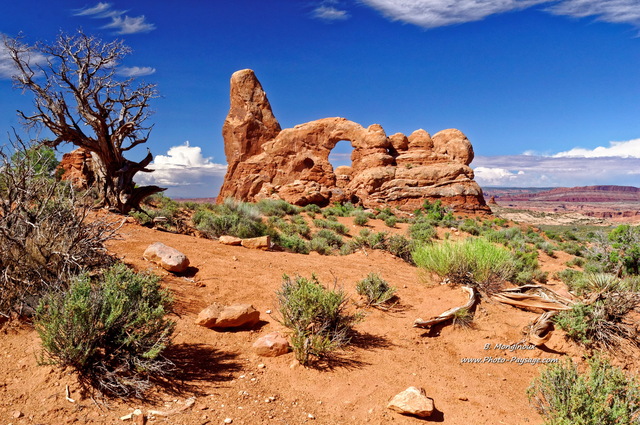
[[449, 314]]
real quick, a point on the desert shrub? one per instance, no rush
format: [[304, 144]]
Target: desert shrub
[[377, 291], [572, 248], [575, 262], [293, 243], [463, 318], [333, 240], [45, 235], [401, 247], [473, 261], [435, 214], [277, 208], [601, 323], [360, 219], [369, 239], [391, 221], [603, 395], [471, 227], [422, 230], [331, 225], [312, 208], [233, 218], [340, 210], [111, 330], [320, 245], [316, 316], [157, 205]]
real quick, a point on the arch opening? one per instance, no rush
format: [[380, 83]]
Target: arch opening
[[341, 153]]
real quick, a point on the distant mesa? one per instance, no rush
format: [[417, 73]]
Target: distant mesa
[[267, 162]]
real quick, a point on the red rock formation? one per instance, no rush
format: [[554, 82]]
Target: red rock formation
[[76, 167], [293, 164]]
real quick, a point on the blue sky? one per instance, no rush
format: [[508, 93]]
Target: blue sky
[[548, 92]]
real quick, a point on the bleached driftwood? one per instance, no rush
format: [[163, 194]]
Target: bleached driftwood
[[533, 297], [449, 314]]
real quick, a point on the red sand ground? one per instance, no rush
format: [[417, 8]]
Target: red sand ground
[[222, 373]]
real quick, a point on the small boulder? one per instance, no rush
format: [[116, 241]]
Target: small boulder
[[229, 240], [412, 401], [261, 242], [271, 345], [217, 316], [166, 257]]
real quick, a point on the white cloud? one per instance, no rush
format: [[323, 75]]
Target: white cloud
[[628, 149], [544, 171], [330, 13], [130, 25], [100, 10], [614, 11], [122, 25], [437, 13], [8, 69], [135, 71], [185, 172]]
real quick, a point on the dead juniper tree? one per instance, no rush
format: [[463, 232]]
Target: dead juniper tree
[[80, 99]]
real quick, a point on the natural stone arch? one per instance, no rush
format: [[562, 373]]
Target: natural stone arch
[[293, 164]]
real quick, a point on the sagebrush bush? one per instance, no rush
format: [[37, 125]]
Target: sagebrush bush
[[45, 236], [293, 243], [601, 323], [316, 316], [331, 225], [474, 261], [277, 208], [377, 291], [233, 218], [391, 221], [112, 330], [603, 395], [422, 231], [360, 219]]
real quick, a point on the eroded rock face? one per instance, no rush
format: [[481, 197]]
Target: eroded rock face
[[293, 164], [77, 167]]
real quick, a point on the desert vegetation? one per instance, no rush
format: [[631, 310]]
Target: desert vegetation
[[317, 317]]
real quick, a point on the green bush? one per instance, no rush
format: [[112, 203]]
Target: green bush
[[331, 225], [293, 243], [316, 316], [277, 208], [233, 218], [472, 261], [601, 323], [332, 239], [377, 291], [45, 237], [312, 208], [111, 330], [391, 221], [360, 219], [401, 247], [340, 210], [422, 231], [603, 395]]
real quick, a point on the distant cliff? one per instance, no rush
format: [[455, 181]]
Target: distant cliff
[[607, 193]]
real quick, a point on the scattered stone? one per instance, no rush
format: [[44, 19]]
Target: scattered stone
[[217, 316], [271, 345], [310, 416], [261, 242], [228, 421], [463, 398], [17, 414], [230, 240], [166, 257], [261, 366], [412, 401]]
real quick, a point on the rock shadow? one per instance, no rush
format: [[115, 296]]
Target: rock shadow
[[197, 363]]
